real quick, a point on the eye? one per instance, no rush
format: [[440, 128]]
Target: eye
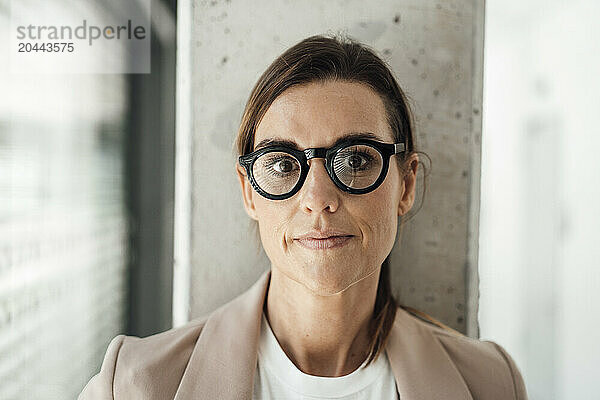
[[357, 160], [283, 165], [358, 166]]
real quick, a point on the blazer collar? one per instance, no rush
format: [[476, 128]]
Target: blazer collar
[[223, 362]]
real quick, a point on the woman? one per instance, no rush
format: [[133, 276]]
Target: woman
[[327, 165]]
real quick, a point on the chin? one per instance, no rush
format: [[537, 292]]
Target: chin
[[326, 283], [324, 290]]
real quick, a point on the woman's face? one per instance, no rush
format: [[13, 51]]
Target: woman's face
[[316, 115]]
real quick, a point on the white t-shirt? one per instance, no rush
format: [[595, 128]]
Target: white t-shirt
[[278, 378]]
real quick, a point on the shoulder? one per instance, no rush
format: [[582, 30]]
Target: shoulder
[[161, 347], [149, 367], [486, 367]]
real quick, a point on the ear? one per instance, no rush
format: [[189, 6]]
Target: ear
[[409, 182], [247, 191]]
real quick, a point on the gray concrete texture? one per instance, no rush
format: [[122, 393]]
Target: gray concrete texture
[[435, 50]]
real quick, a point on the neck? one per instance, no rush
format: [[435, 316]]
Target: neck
[[322, 335]]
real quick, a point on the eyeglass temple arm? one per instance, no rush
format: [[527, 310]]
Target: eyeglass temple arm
[[398, 148]]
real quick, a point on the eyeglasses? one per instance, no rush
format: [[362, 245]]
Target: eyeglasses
[[356, 166]]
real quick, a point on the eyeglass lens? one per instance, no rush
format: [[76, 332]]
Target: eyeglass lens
[[356, 166], [276, 172]]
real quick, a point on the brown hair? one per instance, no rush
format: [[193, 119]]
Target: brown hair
[[320, 58]]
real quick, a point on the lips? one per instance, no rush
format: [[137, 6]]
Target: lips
[[324, 239], [322, 234]]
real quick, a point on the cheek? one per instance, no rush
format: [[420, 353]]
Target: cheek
[[382, 223], [379, 216], [272, 222]]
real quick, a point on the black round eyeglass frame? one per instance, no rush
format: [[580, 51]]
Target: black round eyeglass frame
[[385, 149]]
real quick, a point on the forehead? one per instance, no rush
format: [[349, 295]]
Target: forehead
[[318, 114]]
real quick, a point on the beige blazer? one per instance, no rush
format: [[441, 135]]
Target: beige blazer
[[214, 357]]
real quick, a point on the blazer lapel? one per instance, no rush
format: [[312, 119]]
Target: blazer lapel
[[422, 368], [223, 362]]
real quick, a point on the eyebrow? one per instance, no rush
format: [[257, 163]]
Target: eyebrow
[[290, 143]]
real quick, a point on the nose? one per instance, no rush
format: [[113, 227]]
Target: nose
[[318, 192]]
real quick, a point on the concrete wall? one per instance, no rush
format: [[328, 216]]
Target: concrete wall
[[435, 49]]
